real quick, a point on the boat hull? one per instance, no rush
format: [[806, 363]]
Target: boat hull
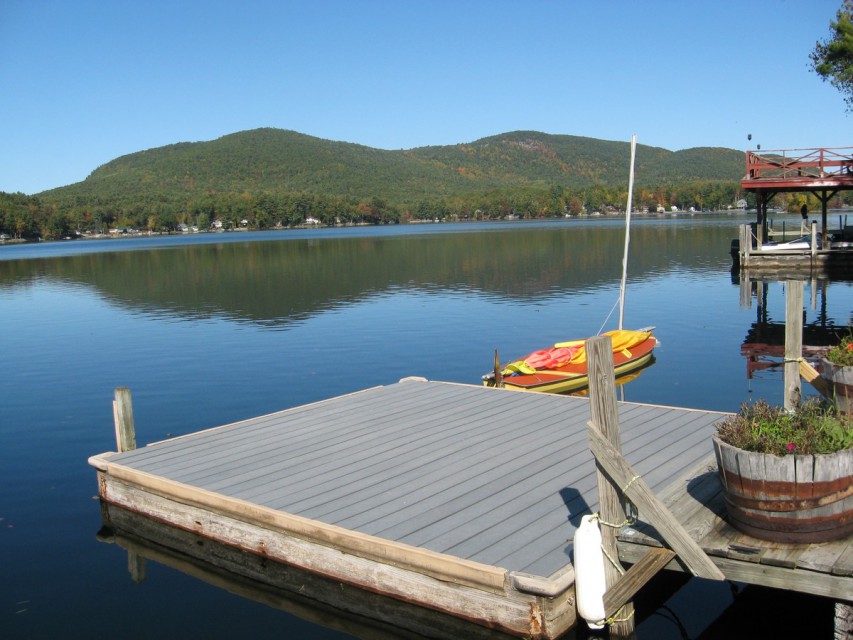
[[575, 377]]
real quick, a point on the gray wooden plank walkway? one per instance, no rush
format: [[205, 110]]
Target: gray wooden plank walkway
[[490, 475]]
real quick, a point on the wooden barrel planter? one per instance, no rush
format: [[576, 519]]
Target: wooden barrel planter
[[840, 380], [794, 498]]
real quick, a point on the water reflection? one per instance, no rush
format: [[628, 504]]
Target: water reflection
[[215, 332], [328, 603], [764, 344], [277, 283]]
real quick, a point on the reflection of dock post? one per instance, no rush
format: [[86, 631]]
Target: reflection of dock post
[[793, 342], [605, 415], [136, 566], [123, 417]]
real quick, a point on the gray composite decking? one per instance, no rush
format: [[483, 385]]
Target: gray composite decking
[[490, 475]]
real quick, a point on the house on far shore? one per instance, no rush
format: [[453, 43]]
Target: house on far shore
[[740, 204], [216, 224]]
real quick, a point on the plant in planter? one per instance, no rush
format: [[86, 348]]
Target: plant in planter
[[838, 372], [786, 476], [842, 353]]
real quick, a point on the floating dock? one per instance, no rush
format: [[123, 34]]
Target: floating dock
[[459, 498]]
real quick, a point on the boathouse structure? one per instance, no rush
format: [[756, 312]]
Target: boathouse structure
[[822, 172]]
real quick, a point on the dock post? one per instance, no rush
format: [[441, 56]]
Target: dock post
[[813, 243], [745, 241], [605, 415], [843, 620], [123, 417], [793, 343]]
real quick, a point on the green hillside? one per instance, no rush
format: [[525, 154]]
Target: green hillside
[[276, 177], [281, 161]]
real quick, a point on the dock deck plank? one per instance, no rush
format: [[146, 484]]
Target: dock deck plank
[[454, 496], [489, 475]]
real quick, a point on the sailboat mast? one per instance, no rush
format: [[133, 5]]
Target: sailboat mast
[[627, 230]]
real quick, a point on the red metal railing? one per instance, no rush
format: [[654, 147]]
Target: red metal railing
[[799, 163]]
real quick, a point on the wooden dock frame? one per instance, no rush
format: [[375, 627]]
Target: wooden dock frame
[[617, 481], [824, 569], [508, 601], [322, 601], [513, 603], [813, 262]]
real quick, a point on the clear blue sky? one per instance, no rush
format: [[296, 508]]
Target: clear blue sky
[[84, 82]]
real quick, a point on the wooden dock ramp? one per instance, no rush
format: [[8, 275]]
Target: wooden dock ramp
[[458, 498]]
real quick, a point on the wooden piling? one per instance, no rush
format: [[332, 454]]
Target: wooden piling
[[793, 342], [745, 246], [123, 417], [843, 620], [813, 243], [613, 473], [605, 415]]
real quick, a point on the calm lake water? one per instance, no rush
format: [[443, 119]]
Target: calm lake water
[[213, 328]]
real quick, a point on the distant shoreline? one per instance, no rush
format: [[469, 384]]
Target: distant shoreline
[[156, 234]]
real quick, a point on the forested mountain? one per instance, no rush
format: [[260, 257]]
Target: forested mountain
[[275, 177], [280, 161]]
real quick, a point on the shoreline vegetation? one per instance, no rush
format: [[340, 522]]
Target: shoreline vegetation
[[128, 233], [276, 179]]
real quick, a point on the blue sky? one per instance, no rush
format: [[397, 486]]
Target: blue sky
[[85, 82]]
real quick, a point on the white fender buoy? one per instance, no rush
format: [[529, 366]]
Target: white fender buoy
[[589, 572]]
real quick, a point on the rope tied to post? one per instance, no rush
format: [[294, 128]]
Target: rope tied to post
[[630, 509], [613, 618]]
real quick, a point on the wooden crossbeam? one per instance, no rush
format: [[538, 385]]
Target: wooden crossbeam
[[635, 578], [810, 375], [622, 475]]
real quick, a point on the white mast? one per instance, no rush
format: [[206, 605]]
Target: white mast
[[627, 230]]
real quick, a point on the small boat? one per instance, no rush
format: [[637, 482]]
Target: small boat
[[802, 243], [563, 367]]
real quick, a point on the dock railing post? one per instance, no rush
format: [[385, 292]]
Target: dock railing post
[[123, 417], [605, 415], [793, 343]]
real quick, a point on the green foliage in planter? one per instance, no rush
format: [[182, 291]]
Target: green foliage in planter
[[815, 427], [842, 354]]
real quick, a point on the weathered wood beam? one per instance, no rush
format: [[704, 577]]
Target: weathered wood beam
[[635, 578], [810, 375], [605, 423], [793, 343], [123, 418], [655, 513]]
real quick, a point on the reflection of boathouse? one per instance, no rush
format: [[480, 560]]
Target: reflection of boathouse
[[821, 172], [764, 344]]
